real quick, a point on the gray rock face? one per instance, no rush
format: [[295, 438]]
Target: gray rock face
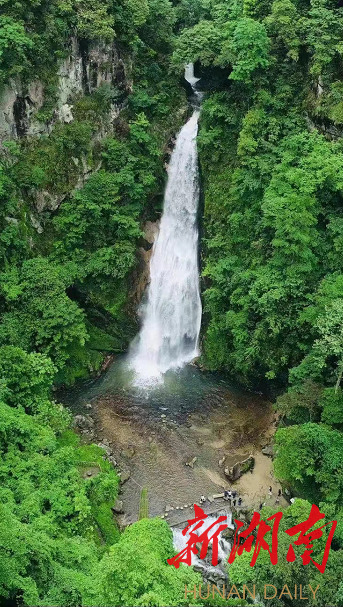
[[81, 72], [7, 122]]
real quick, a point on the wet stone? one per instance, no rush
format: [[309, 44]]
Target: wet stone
[[124, 476], [106, 448], [118, 507]]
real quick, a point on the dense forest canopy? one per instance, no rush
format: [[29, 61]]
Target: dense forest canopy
[[271, 153]]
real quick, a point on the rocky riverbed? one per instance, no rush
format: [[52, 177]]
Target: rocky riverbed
[[180, 440]]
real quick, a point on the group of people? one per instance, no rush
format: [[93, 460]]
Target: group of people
[[232, 497], [229, 495], [270, 494]]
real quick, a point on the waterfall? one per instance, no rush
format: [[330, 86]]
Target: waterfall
[[189, 75], [224, 547], [171, 319]]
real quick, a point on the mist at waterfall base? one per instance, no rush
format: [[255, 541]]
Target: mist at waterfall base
[[172, 313]]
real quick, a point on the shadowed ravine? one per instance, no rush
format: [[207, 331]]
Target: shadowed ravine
[[170, 427]]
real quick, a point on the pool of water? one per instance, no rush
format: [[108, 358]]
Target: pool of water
[[182, 392], [156, 430]]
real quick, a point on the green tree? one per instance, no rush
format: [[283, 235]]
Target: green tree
[[136, 572], [290, 573], [40, 316], [246, 49], [26, 378], [14, 44], [310, 455], [200, 43]]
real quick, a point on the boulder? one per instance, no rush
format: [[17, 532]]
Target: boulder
[[106, 448], [198, 568], [118, 507], [228, 534], [85, 425], [83, 422], [113, 461], [124, 476], [122, 521], [268, 450], [191, 462], [240, 468]]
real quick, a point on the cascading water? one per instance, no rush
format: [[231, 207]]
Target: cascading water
[[189, 75], [224, 547], [172, 316]]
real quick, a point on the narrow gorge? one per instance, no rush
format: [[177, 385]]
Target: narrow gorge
[[175, 431], [171, 295]]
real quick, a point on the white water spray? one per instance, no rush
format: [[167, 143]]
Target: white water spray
[[171, 320], [189, 75], [224, 547]]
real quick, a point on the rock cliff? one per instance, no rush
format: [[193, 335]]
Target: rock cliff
[[84, 69]]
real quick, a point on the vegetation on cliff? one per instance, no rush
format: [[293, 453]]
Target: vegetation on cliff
[[73, 198], [271, 153], [68, 247]]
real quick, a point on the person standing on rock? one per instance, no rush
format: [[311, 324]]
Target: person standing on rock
[[228, 495]]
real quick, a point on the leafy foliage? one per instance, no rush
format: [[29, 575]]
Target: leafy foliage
[[48, 530], [271, 157], [290, 573]]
